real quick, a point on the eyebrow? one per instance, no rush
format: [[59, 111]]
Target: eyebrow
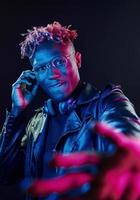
[[37, 67]]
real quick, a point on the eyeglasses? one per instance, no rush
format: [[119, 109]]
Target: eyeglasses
[[57, 62]]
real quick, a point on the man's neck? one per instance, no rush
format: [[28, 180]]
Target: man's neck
[[77, 90]]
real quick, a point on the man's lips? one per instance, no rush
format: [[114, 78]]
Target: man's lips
[[56, 84]]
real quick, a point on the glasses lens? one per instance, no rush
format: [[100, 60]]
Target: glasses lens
[[41, 69], [60, 61]]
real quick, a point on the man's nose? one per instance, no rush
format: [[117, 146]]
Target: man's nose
[[53, 73]]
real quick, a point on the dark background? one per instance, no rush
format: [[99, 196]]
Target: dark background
[[109, 40]]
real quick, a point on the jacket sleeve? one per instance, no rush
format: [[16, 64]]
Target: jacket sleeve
[[116, 110], [11, 151]]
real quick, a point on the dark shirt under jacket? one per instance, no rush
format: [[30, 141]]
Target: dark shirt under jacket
[[55, 128]]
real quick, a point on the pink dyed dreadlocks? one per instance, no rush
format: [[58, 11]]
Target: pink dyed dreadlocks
[[55, 32]]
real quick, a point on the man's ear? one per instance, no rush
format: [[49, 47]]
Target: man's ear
[[78, 59]]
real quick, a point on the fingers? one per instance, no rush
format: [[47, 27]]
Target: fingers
[[24, 79], [34, 90], [23, 90], [117, 137], [26, 83], [116, 187], [133, 191], [28, 73], [59, 185], [75, 159], [110, 186]]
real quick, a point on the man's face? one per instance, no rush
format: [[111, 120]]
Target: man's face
[[56, 68]]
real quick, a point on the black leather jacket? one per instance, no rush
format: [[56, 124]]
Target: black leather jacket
[[20, 146]]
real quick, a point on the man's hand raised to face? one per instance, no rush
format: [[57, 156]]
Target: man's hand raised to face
[[118, 176], [21, 95]]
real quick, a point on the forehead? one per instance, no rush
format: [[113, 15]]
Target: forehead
[[46, 51]]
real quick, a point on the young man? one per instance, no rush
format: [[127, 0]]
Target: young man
[[65, 122]]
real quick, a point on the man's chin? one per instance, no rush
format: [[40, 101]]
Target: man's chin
[[59, 97]]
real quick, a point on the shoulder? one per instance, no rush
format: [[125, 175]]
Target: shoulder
[[112, 98], [35, 124], [111, 88], [113, 93]]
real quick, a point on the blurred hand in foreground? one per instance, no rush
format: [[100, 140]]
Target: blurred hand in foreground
[[118, 176]]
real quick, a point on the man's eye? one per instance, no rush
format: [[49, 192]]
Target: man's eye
[[42, 68], [59, 62]]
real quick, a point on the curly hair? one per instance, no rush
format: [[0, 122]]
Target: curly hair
[[55, 32]]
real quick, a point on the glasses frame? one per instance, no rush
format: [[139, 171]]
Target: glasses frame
[[50, 64]]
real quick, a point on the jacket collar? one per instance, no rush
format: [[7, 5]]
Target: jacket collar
[[84, 93], [73, 123], [87, 95]]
